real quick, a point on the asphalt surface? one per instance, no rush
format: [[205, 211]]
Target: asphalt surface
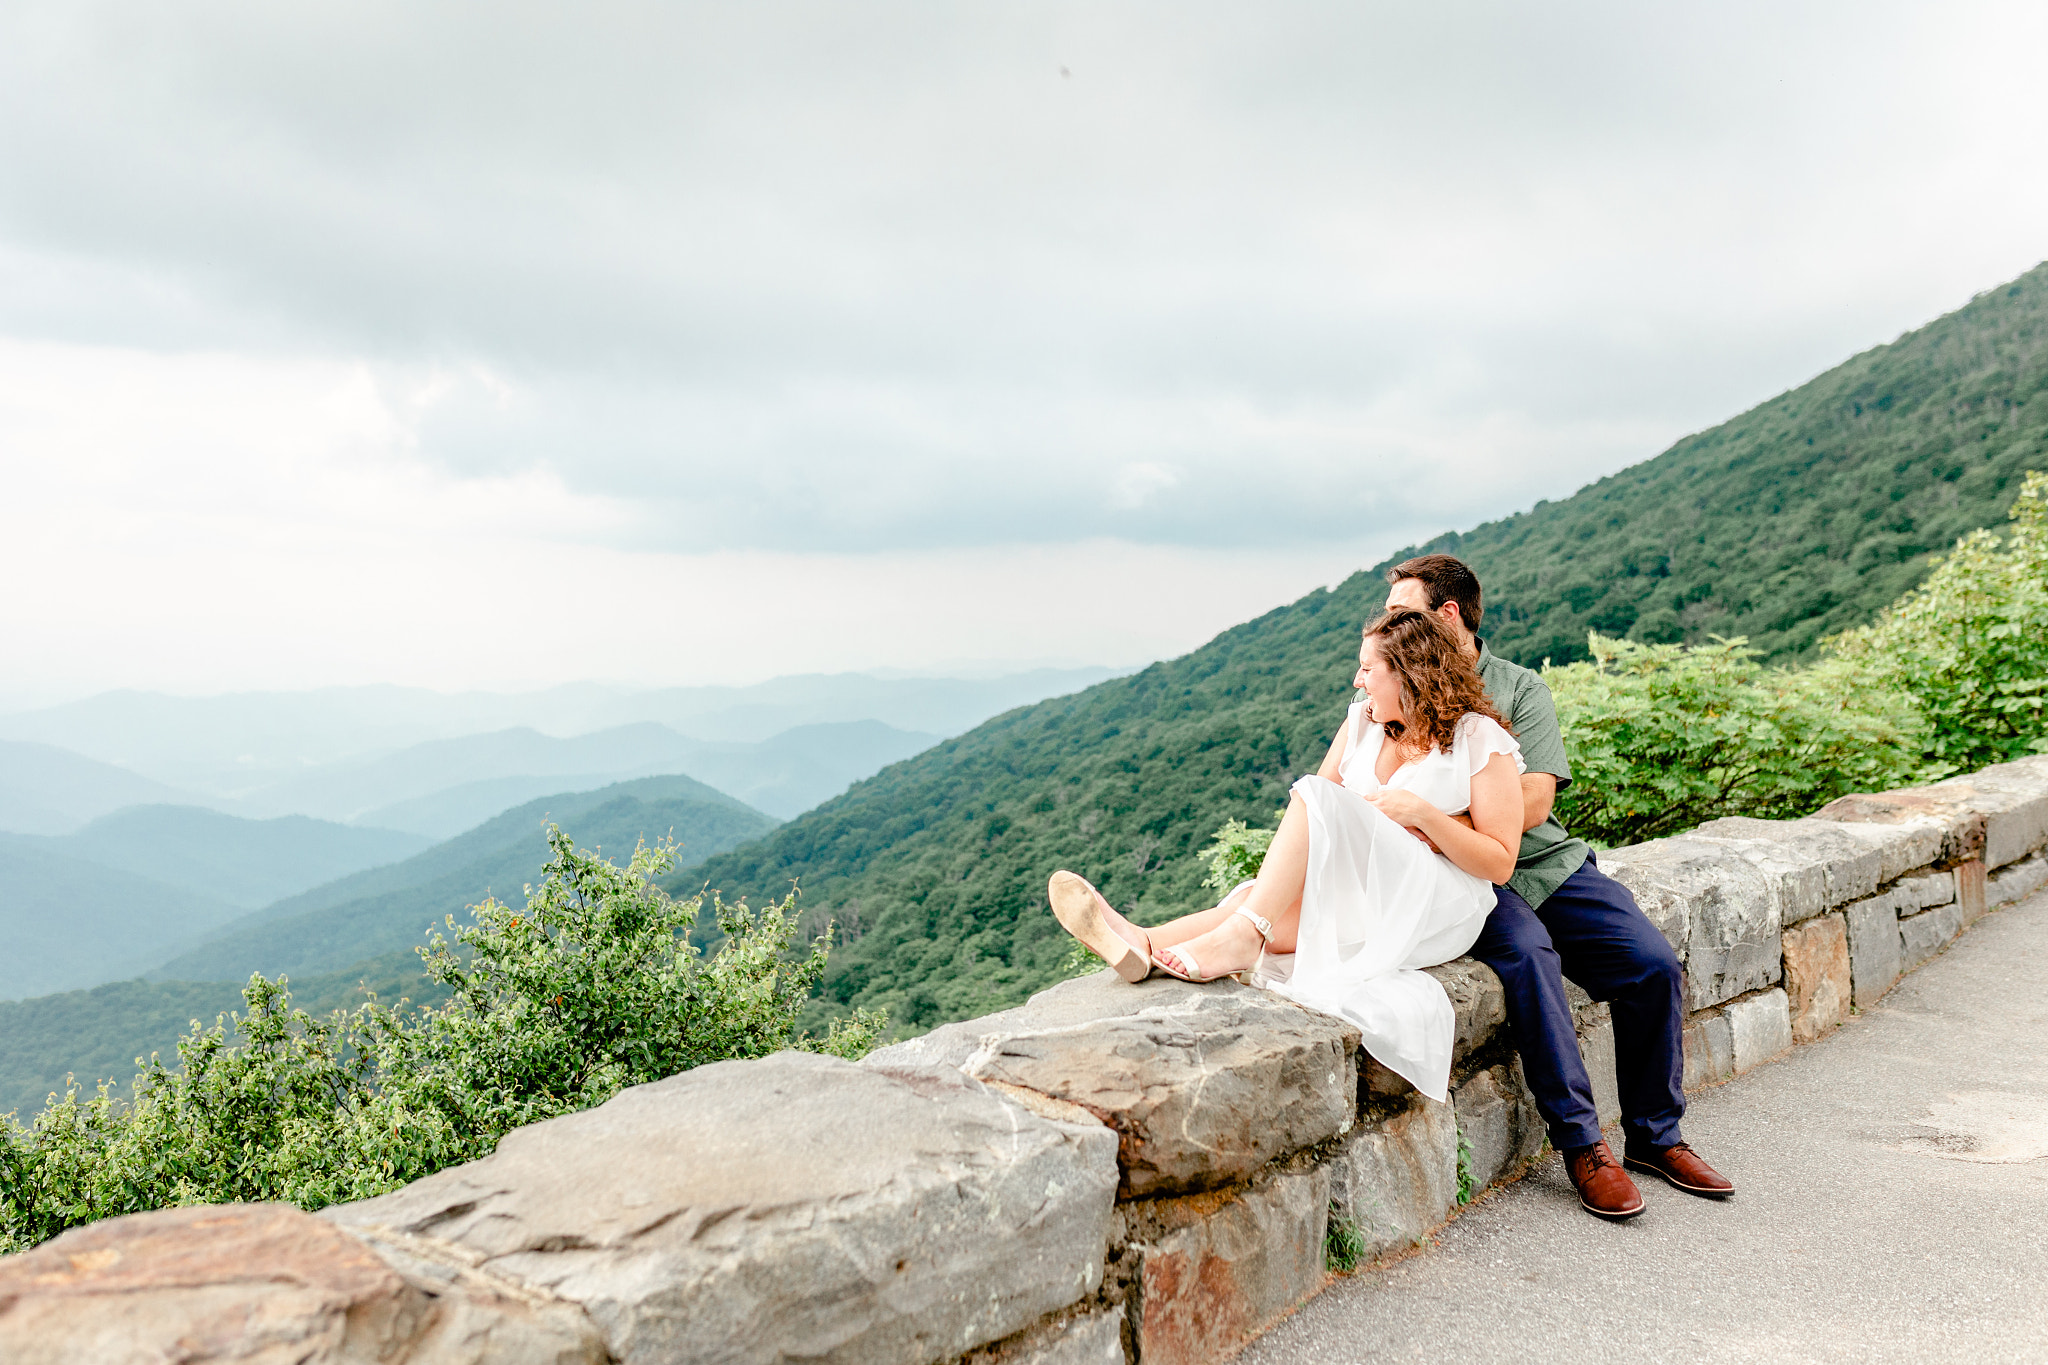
[[1891, 1205]]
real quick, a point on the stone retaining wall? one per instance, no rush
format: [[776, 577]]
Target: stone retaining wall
[[1105, 1174]]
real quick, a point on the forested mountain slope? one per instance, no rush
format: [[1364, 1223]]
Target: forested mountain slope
[[1797, 519], [936, 866]]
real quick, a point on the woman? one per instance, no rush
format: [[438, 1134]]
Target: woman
[[1371, 876]]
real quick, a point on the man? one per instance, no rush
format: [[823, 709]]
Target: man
[[1560, 916]]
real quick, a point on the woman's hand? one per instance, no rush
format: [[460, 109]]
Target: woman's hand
[[1403, 807]]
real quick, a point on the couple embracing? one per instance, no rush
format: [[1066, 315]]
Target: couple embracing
[[1426, 834]]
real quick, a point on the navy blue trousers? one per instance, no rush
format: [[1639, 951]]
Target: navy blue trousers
[[1591, 930]]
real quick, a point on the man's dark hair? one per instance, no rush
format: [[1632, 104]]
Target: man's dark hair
[[1447, 579]]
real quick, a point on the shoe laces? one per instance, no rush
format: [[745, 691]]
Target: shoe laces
[[1597, 1157]]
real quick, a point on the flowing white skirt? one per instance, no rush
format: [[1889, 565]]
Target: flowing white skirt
[[1377, 907]]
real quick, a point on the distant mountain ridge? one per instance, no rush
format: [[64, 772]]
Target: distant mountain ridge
[[228, 746], [48, 790], [936, 866], [444, 786], [386, 909], [120, 895]]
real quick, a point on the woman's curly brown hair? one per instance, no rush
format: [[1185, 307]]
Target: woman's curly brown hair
[[1439, 681]]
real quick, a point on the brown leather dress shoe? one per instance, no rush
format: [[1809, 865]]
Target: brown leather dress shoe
[[1604, 1188], [1682, 1166]]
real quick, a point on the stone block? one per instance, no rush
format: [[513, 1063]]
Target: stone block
[[1900, 847], [2013, 799], [1709, 1050], [1203, 1085], [1397, 1178], [2016, 881], [1498, 1123], [1817, 864], [263, 1283], [1817, 981], [1717, 907], [1762, 1028], [1944, 812], [1202, 1288], [1925, 890], [1972, 891], [1924, 935], [1873, 949], [1477, 1000], [792, 1207], [1095, 1338]]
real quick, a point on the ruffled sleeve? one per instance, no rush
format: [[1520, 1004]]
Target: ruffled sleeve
[[1478, 739]]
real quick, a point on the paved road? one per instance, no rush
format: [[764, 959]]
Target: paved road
[[1891, 1205]]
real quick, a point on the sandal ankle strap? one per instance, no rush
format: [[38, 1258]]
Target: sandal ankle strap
[[1259, 922]]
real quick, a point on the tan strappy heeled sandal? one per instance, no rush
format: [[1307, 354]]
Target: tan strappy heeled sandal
[[1190, 970]]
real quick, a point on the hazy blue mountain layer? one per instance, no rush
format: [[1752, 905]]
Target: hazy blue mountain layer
[[67, 923], [228, 746], [246, 863], [351, 791], [391, 908], [1804, 515], [47, 790], [783, 775], [787, 774]]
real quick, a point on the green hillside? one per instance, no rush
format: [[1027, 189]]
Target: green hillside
[[390, 908], [1799, 517]]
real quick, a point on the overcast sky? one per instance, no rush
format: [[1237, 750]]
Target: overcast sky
[[502, 345]]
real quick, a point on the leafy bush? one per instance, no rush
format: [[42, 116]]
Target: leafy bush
[[1236, 851], [592, 987], [1662, 737], [1970, 644]]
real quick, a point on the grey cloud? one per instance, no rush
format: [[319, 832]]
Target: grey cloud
[[881, 274]]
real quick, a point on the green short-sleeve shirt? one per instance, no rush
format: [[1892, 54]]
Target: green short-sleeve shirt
[[1548, 854]]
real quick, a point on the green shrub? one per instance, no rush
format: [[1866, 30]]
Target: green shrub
[[1970, 644], [1663, 737], [1236, 851], [592, 987]]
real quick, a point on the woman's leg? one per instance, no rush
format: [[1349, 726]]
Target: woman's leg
[[1224, 941]]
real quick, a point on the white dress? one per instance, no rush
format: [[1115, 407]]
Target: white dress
[[1378, 905]]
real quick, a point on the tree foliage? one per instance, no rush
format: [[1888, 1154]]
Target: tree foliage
[[1970, 644], [592, 986], [1665, 737]]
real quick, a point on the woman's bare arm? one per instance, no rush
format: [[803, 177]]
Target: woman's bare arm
[[1333, 761], [1488, 848]]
